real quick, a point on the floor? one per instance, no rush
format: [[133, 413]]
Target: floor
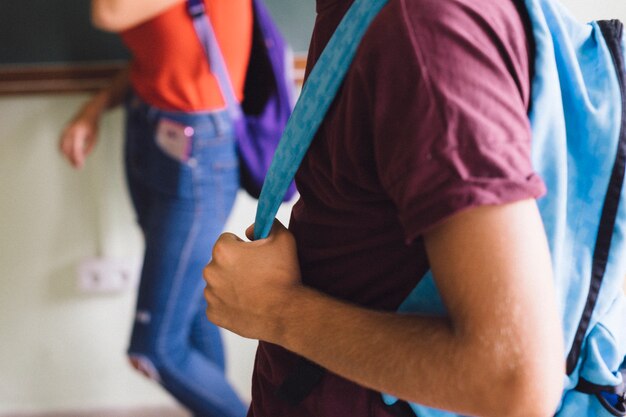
[[143, 412]]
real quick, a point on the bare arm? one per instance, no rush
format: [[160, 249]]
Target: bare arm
[[118, 15], [499, 354], [81, 134]]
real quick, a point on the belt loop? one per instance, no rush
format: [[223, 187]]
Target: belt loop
[[221, 119], [152, 113]]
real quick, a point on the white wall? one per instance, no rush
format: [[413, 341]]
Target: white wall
[[587, 10], [60, 348]]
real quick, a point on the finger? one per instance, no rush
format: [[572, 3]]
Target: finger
[[209, 312], [213, 316], [230, 237], [250, 232], [62, 140], [64, 144], [89, 145], [206, 274], [212, 310], [224, 246], [78, 152], [277, 229], [208, 297]]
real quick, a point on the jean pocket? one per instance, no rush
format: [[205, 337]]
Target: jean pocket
[[169, 169], [174, 139]]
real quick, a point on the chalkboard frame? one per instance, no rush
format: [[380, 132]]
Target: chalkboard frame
[[57, 78], [50, 46], [79, 78]]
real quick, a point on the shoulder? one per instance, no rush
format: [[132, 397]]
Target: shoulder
[[429, 25], [451, 43], [500, 17]]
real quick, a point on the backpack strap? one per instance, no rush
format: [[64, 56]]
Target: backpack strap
[[206, 34], [591, 388], [317, 94], [613, 398]]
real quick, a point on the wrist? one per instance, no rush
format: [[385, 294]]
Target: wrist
[[94, 108], [296, 318], [89, 115]]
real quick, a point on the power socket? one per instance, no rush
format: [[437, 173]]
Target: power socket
[[108, 275]]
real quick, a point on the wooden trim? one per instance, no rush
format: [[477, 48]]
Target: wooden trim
[[54, 79]]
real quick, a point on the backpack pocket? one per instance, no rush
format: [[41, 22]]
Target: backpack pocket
[[601, 388]]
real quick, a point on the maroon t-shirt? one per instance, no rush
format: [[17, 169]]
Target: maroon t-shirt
[[430, 120]]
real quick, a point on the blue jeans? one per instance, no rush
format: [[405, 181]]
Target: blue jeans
[[182, 197]]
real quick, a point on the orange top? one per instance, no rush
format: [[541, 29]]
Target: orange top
[[170, 68]]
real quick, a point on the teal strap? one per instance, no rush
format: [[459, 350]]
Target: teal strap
[[317, 94]]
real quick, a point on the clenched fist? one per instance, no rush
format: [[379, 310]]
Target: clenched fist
[[249, 283]]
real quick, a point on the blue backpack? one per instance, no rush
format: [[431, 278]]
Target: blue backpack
[[578, 119]]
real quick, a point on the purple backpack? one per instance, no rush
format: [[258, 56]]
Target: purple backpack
[[268, 93]]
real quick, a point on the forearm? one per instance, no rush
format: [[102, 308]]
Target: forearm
[[80, 134], [499, 352], [119, 15], [419, 359], [109, 97]]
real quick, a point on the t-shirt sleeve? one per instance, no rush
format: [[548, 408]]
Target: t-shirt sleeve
[[450, 125]]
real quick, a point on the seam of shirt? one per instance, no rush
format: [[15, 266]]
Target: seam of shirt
[[420, 56]]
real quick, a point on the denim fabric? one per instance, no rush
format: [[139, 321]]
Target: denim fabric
[[181, 206]]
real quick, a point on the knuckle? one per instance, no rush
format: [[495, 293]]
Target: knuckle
[[223, 249], [207, 272], [219, 249]]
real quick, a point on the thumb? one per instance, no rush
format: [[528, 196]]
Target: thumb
[[250, 232], [277, 228], [229, 237]]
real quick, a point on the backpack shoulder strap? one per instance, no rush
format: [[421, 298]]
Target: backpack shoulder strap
[[317, 93], [206, 34]]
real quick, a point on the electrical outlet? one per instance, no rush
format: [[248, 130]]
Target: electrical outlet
[[107, 275]]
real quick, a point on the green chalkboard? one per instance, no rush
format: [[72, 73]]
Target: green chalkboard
[[53, 31], [50, 46], [59, 31]]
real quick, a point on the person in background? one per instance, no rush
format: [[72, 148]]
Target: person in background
[[421, 163], [182, 173]]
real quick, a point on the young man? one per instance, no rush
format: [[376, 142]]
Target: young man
[[421, 162]]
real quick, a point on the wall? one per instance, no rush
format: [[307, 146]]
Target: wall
[[60, 348], [587, 10]]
